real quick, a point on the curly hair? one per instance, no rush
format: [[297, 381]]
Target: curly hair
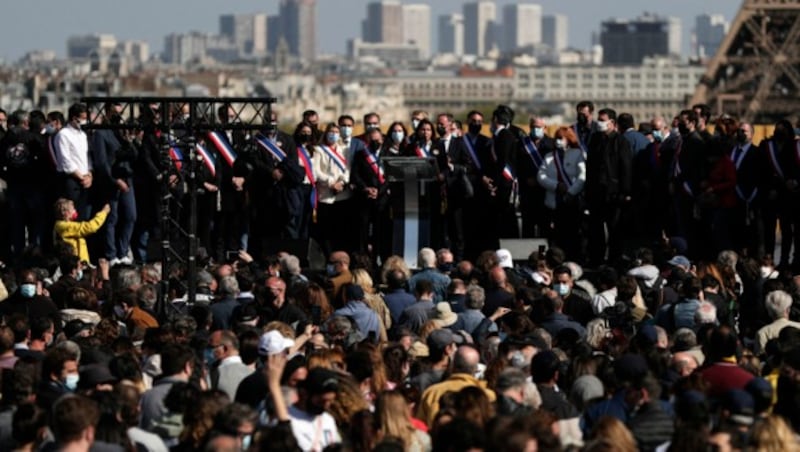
[[198, 418]]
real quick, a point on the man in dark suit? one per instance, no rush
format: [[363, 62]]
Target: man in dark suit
[[368, 182], [234, 209], [688, 170], [476, 158], [504, 147], [608, 187], [531, 152], [749, 165], [452, 159]]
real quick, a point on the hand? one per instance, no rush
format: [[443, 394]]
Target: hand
[[210, 187], [372, 193], [106, 208], [277, 174], [238, 183], [487, 182], [122, 186], [86, 181], [173, 180], [274, 369], [500, 312], [245, 257]]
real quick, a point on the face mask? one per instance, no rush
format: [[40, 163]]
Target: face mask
[[414, 123], [519, 360], [374, 146], [562, 289], [602, 126], [82, 122], [208, 356], [347, 131], [330, 270], [74, 215], [246, 440], [72, 381], [332, 137], [683, 129], [741, 137], [537, 133], [49, 129], [119, 312], [304, 138], [658, 136], [441, 131], [561, 144], [397, 136], [475, 128], [27, 290], [582, 120], [766, 272], [446, 267], [79, 276], [371, 127], [675, 130], [186, 117]]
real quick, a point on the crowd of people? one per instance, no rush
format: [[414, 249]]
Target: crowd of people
[[655, 319]]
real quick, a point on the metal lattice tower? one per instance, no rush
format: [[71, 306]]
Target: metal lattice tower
[[755, 74]]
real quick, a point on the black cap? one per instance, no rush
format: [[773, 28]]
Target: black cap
[[321, 381], [353, 292], [74, 327]]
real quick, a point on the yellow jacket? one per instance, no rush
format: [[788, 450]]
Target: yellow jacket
[[74, 233], [429, 402]]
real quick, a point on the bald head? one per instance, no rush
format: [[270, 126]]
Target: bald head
[[684, 363], [341, 257], [466, 360]]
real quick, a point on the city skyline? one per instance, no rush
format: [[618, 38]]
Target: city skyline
[[182, 16]]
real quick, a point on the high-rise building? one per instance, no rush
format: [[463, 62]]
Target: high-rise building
[[479, 27], [384, 22], [522, 26], [84, 45], [451, 34], [184, 47], [555, 32], [709, 31], [248, 32], [630, 41], [417, 27], [298, 26]]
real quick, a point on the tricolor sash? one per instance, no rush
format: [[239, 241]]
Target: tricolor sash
[[224, 148], [471, 149], [533, 152], [422, 152], [176, 155], [305, 161], [335, 156], [270, 146], [507, 173], [558, 160], [208, 160], [375, 165]]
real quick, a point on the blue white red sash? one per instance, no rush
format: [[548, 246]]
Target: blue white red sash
[[224, 148], [305, 161], [270, 146], [773, 158], [533, 152], [471, 149], [375, 165], [176, 155], [561, 173], [335, 156], [422, 152], [208, 160], [507, 173]]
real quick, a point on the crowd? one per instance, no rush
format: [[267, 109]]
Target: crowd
[[656, 319]]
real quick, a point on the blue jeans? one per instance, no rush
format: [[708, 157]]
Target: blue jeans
[[120, 222]]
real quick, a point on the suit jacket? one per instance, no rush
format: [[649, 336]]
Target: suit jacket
[[363, 175], [608, 168], [749, 165], [505, 144], [691, 158]]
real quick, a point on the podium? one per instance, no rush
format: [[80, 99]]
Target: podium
[[411, 181]]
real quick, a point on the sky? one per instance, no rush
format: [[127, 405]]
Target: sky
[[26, 26]]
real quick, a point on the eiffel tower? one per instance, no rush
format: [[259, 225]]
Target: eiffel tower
[[755, 74]]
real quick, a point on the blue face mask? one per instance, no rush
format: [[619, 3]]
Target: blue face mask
[[398, 136], [27, 290], [537, 133], [562, 289], [208, 356], [332, 137], [72, 381], [658, 135], [330, 270], [246, 440]]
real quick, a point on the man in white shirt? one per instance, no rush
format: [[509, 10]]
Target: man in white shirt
[[72, 157], [312, 426]]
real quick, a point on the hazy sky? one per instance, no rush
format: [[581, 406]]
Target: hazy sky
[[29, 25]]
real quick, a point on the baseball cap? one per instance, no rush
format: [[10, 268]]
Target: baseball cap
[[741, 406], [272, 343], [504, 258], [75, 327], [441, 338], [321, 381], [680, 261]]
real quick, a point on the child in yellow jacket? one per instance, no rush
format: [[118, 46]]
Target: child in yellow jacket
[[75, 232]]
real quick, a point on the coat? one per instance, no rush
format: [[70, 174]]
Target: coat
[[74, 233]]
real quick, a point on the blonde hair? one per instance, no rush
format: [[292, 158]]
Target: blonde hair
[[392, 412], [395, 263], [62, 208], [285, 330], [612, 429], [773, 434], [362, 279]]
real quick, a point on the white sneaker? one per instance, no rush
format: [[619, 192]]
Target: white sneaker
[[127, 260], [114, 262]]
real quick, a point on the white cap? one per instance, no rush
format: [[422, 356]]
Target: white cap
[[272, 343], [504, 257]]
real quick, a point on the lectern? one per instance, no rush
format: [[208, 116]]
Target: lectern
[[412, 181]]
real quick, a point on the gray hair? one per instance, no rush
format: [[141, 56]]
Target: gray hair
[[510, 377], [686, 337], [475, 298], [596, 332], [147, 296], [204, 278], [728, 258], [292, 264], [151, 272], [427, 258], [706, 313], [127, 278], [778, 303], [228, 286]]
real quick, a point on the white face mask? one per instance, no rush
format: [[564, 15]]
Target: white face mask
[[414, 123], [561, 143], [603, 126], [346, 131], [82, 122]]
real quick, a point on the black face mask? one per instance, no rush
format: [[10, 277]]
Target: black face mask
[[304, 138], [683, 129], [582, 120], [441, 131], [475, 128], [446, 267], [374, 146], [741, 137]]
